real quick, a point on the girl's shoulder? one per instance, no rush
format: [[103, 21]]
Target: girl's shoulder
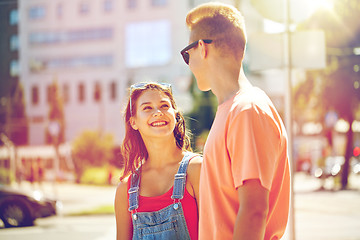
[[122, 189], [196, 159], [194, 166]]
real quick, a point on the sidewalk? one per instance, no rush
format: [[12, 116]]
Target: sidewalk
[[326, 214], [319, 215], [75, 198]]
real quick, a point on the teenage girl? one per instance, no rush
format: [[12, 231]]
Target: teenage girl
[[158, 195]]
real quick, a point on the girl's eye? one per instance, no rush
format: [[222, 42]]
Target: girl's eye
[[147, 108], [165, 106]]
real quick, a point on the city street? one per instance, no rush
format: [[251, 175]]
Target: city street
[[73, 72], [99, 227], [326, 214], [319, 214]]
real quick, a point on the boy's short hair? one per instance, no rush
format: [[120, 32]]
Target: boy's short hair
[[222, 23]]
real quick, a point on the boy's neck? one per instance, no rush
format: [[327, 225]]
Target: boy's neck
[[228, 83]]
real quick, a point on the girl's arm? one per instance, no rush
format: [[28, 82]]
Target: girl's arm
[[122, 215], [194, 177]]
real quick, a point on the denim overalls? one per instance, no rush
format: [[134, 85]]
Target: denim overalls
[[167, 223]]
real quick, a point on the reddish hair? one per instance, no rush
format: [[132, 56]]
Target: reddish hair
[[133, 148]]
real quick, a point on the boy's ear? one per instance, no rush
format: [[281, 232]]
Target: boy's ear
[[203, 49], [133, 124]]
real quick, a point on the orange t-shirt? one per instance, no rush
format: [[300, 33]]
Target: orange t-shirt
[[247, 141]]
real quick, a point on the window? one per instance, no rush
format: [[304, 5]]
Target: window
[[59, 10], [155, 51], [97, 92], [14, 17], [88, 34], [108, 5], [37, 12], [158, 2], [113, 92], [81, 92], [84, 8], [14, 68], [34, 95], [70, 36], [66, 93], [14, 43], [73, 63], [88, 61], [131, 3]]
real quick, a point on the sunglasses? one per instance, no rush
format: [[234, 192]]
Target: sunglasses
[[184, 52], [138, 86]]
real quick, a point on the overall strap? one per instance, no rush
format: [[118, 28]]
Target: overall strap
[[134, 191], [180, 177]]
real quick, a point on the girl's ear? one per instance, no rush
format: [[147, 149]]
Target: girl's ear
[[133, 124]]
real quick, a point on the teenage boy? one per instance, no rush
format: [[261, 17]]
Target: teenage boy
[[245, 177]]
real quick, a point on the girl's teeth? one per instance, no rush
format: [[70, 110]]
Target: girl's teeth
[[158, 124]]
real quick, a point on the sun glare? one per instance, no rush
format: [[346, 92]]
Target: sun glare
[[314, 5], [299, 11]]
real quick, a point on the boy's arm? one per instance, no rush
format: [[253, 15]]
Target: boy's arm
[[254, 206]]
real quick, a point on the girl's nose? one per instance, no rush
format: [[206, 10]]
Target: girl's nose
[[157, 113]]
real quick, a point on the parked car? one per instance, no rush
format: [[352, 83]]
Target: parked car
[[18, 208], [355, 165], [331, 168]]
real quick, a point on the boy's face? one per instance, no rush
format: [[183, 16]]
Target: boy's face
[[197, 65]]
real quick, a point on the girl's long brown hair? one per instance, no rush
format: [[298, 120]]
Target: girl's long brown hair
[[133, 149]]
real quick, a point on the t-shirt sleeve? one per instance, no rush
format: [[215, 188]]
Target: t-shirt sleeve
[[253, 146]]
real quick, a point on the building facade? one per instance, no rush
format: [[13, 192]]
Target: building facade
[[9, 46], [95, 50], [13, 122]]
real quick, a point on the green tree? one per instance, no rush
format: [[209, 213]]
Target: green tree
[[306, 104], [18, 125], [202, 115], [92, 149], [340, 80], [55, 116]]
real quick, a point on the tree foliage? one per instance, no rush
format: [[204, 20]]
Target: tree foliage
[[18, 125], [91, 148], [202, 115], [339, 82], [55, 115]]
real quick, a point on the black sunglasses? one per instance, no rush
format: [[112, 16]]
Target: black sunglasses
[[184, 52]]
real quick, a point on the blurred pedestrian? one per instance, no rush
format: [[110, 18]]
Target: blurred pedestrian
[[159, 200], [245, 177], [19, 173], [110, 174], [32, 172], [40, 168], [24, 170], [40, 173]]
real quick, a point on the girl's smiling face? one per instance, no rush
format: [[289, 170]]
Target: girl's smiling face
[[155, 115]]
